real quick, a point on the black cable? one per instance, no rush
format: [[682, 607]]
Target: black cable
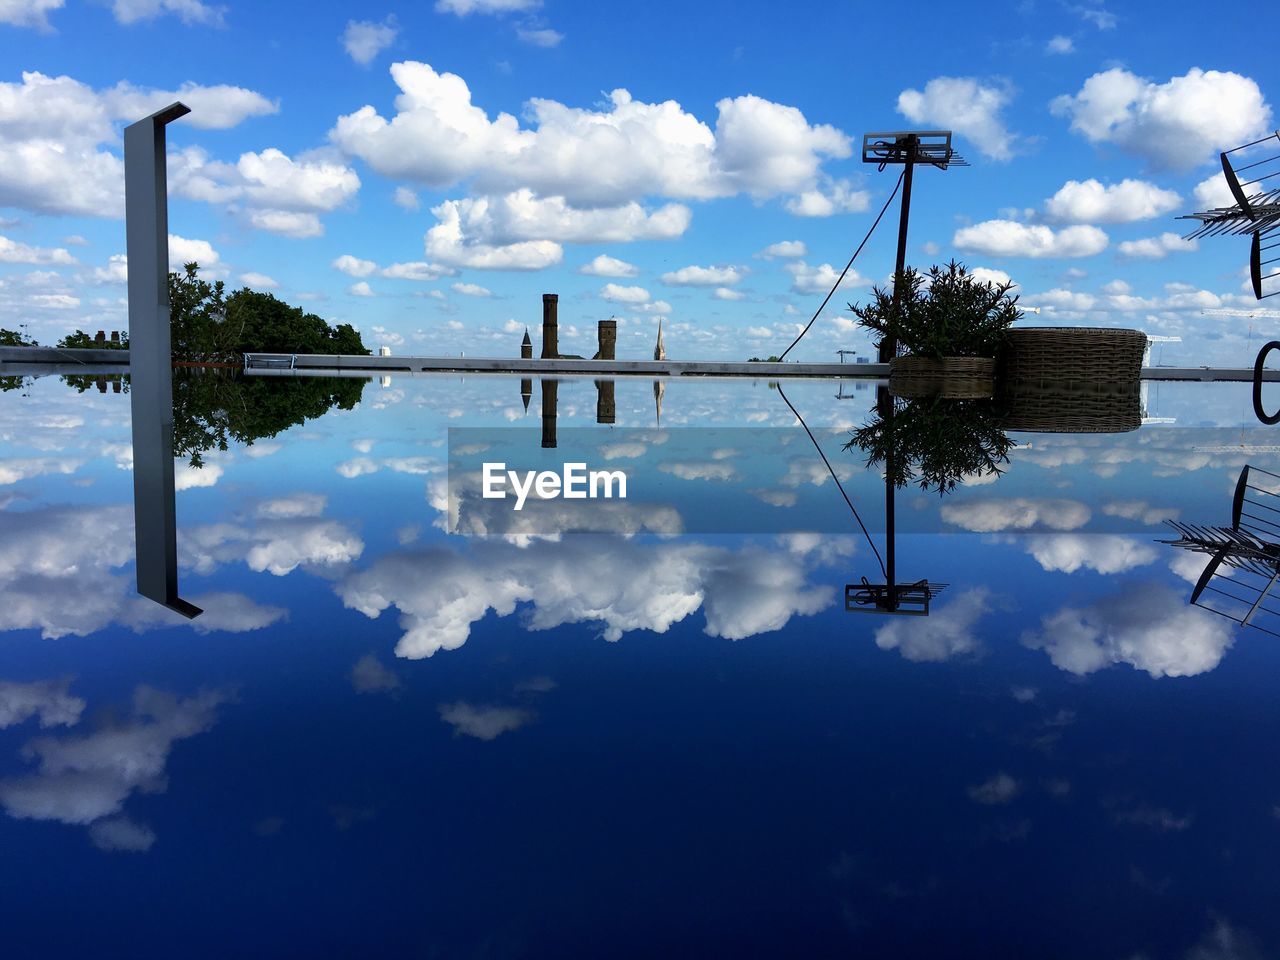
[[847, 265], [839, 485]]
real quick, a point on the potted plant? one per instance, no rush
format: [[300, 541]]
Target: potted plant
[[949, 328]]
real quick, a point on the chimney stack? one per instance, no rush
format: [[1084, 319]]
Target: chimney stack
[[550, 328], [549, 390], [606, 407], [607, 334]]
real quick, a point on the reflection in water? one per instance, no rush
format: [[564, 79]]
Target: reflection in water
[[214, 408], [549, 391], [891, 596], [1037, 763], [210, 409], [935, 442], [1244, 559]]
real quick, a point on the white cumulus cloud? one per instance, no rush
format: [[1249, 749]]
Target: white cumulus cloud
[[1149, 627], [364, 39], [947, 632], [966, 106], [1008, 238], [694, 276], [29, 13], [1177, 124], [590, 157], [188, 11], [606, 266], [784, 250], [212, 108], [1156, 248], [49, 700], [13, 251], [1089, 201], [1016, 513], [617, 293], [483, 722]]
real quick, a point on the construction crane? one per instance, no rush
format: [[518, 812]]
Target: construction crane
[[1259, 314]]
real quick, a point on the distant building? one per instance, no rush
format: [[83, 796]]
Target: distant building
[[384, 351]]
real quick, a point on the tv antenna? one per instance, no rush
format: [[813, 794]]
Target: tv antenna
[[908, 148], [1256, 211], [1243, 567]]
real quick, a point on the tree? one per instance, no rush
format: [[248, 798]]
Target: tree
[[82, 341], [11, 338], [196, 314], [209, 324]]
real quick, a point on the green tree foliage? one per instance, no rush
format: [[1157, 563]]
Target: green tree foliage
[[214, 408], [11, 338], [80, 383], [197, 311], [954, 315], [263, 324], [207, 323], [81, 340]]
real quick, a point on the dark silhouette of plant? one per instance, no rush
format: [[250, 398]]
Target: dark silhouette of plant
[[953, 315], [81, 383], [935, 442], [11, 338], [81, 340], [206, 323], [197, 311], [214, 408]]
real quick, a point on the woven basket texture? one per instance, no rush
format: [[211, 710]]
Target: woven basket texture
[[1077, 354], [955, 378], [1080, 406]]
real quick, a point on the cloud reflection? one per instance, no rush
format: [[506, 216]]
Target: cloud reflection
[[622, 584], [1148, 626]]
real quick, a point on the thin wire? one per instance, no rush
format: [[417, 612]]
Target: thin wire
[[847, 265], [839, 485]]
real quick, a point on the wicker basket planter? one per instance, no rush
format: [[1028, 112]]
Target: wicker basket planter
[[1065, 406], [954, 378], [1073, 354]]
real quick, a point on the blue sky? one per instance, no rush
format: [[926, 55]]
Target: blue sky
[[514, 164]]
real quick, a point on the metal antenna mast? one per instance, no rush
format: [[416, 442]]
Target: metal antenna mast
[[1256, 210], [908, 147]]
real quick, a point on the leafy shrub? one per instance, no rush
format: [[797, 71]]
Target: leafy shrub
[[954, 314]]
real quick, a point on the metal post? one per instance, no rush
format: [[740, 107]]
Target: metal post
[[889, 345], [150, 360], [884, 401]]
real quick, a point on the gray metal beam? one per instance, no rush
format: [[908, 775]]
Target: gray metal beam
[[150, 359]]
